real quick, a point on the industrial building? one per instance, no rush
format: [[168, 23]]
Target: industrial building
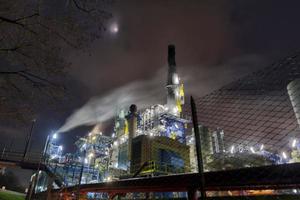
[[155, 137], [152, 141]]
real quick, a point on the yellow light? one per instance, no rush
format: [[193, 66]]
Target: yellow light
[[126, 130]]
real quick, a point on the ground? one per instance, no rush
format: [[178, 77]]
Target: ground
[[10, 195]]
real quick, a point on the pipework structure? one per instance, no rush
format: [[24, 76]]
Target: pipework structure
[[155, 135]]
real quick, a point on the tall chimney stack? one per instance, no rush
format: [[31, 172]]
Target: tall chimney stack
[[172, 64], [172, 82]]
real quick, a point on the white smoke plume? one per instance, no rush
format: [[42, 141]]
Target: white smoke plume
[[100, 109], [198, 80]]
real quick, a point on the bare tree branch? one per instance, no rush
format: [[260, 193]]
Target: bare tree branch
[[81, 8]]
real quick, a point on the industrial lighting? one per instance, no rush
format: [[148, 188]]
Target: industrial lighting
[[176, 125], [232, 149], [284, 155], [262, 147], [176, 79], [175, 110], [54, 136], [294, 143], [252, 149], [115, 143], [295, 191], [91, 155], [60, 147]]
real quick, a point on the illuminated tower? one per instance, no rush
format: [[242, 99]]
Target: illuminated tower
[[132, 126], [175, 94]]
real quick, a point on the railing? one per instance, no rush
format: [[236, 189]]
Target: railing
[[32, 157]]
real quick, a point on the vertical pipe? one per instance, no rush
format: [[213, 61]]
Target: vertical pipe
[[80, 176], [198, 147]]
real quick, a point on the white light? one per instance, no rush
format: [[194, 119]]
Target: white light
[[115, 143], [232, 149], [175, 79], [113, 135], [175, 109], [60, 147], [86, 161], [151, 134], [284, 155], [294, 143], [262, 147], [108, 179], [91, 155], [176, 125], [252, 149], [114, 28], [90, 133], [295, 191], [54, 136]]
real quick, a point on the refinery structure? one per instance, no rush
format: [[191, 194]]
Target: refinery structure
[[238, 127], [159, 140], [148, 142]]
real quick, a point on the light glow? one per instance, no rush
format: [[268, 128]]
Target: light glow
[[284, 155], [252, 149], [262, 147], [115, 143], [114, 28], [54, 136], [294, 143], [232, 149], [91, 155]]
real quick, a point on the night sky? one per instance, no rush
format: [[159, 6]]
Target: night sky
[[216, 42]]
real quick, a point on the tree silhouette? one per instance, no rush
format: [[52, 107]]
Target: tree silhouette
[[34, 36]]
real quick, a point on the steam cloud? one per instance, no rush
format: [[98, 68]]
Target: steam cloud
[[100, 109], [198, 80]]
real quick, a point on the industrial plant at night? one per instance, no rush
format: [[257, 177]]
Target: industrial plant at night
[[160, 140]]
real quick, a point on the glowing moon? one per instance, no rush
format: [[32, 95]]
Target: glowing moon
[[114, 28]]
